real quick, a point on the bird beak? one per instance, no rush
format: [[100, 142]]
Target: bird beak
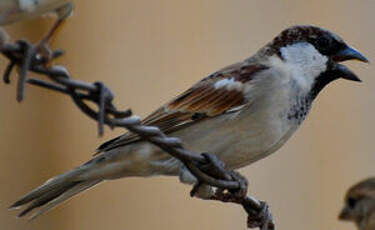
[[349, 53], [344, 214], [345, 54], [344, 72]]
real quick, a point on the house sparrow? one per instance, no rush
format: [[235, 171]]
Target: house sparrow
[[17, 10], [242, 113], [360, 205]]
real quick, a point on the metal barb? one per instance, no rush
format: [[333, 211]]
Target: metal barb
[[29, 53]]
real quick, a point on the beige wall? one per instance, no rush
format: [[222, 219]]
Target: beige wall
[[148, 51]]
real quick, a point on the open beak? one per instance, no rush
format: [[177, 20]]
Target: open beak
[[344, 72], [345, 54]]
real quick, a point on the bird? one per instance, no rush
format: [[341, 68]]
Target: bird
[[360, 205], [12, 11], [241, 113]]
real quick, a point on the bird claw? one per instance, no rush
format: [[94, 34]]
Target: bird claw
[[233, 196], [223, 196], [262, 219], [195, 188], [242, 181], [215, 167]]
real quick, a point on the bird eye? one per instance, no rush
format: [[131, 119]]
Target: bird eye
[[351, 202]]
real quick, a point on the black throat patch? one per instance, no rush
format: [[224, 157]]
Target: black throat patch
[[320, 82], [302, 104]]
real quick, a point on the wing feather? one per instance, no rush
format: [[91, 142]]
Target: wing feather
[[207, 98]]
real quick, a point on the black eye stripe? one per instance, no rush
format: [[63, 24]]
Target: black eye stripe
[[323, 42], [327, 45]]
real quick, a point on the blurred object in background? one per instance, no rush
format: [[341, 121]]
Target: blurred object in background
[[17, 10], [360, 205]]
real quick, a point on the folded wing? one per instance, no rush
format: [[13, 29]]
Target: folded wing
[[221, 92]]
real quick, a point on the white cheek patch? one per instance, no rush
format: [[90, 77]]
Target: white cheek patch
[[229, 84], [305, 62]]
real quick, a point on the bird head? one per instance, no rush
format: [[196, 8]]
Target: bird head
[[359, 205], [315, 54]]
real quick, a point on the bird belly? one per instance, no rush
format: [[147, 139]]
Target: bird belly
[[241, 140]]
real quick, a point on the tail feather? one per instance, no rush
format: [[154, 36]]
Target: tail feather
[[65, 196], [45, 198], [53, 184], [62, 187], [53, 192]]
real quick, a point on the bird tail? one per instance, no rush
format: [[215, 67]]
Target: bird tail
[[53, 192]]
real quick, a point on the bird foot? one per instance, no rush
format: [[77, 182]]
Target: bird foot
[[202, 191], [215, 167], [242, 190]]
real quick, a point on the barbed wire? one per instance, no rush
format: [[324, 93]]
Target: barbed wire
[[206, 167]]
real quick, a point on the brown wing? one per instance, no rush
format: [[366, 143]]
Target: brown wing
[[219, 93]]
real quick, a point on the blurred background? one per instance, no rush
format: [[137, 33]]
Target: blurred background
[[149, 51]]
